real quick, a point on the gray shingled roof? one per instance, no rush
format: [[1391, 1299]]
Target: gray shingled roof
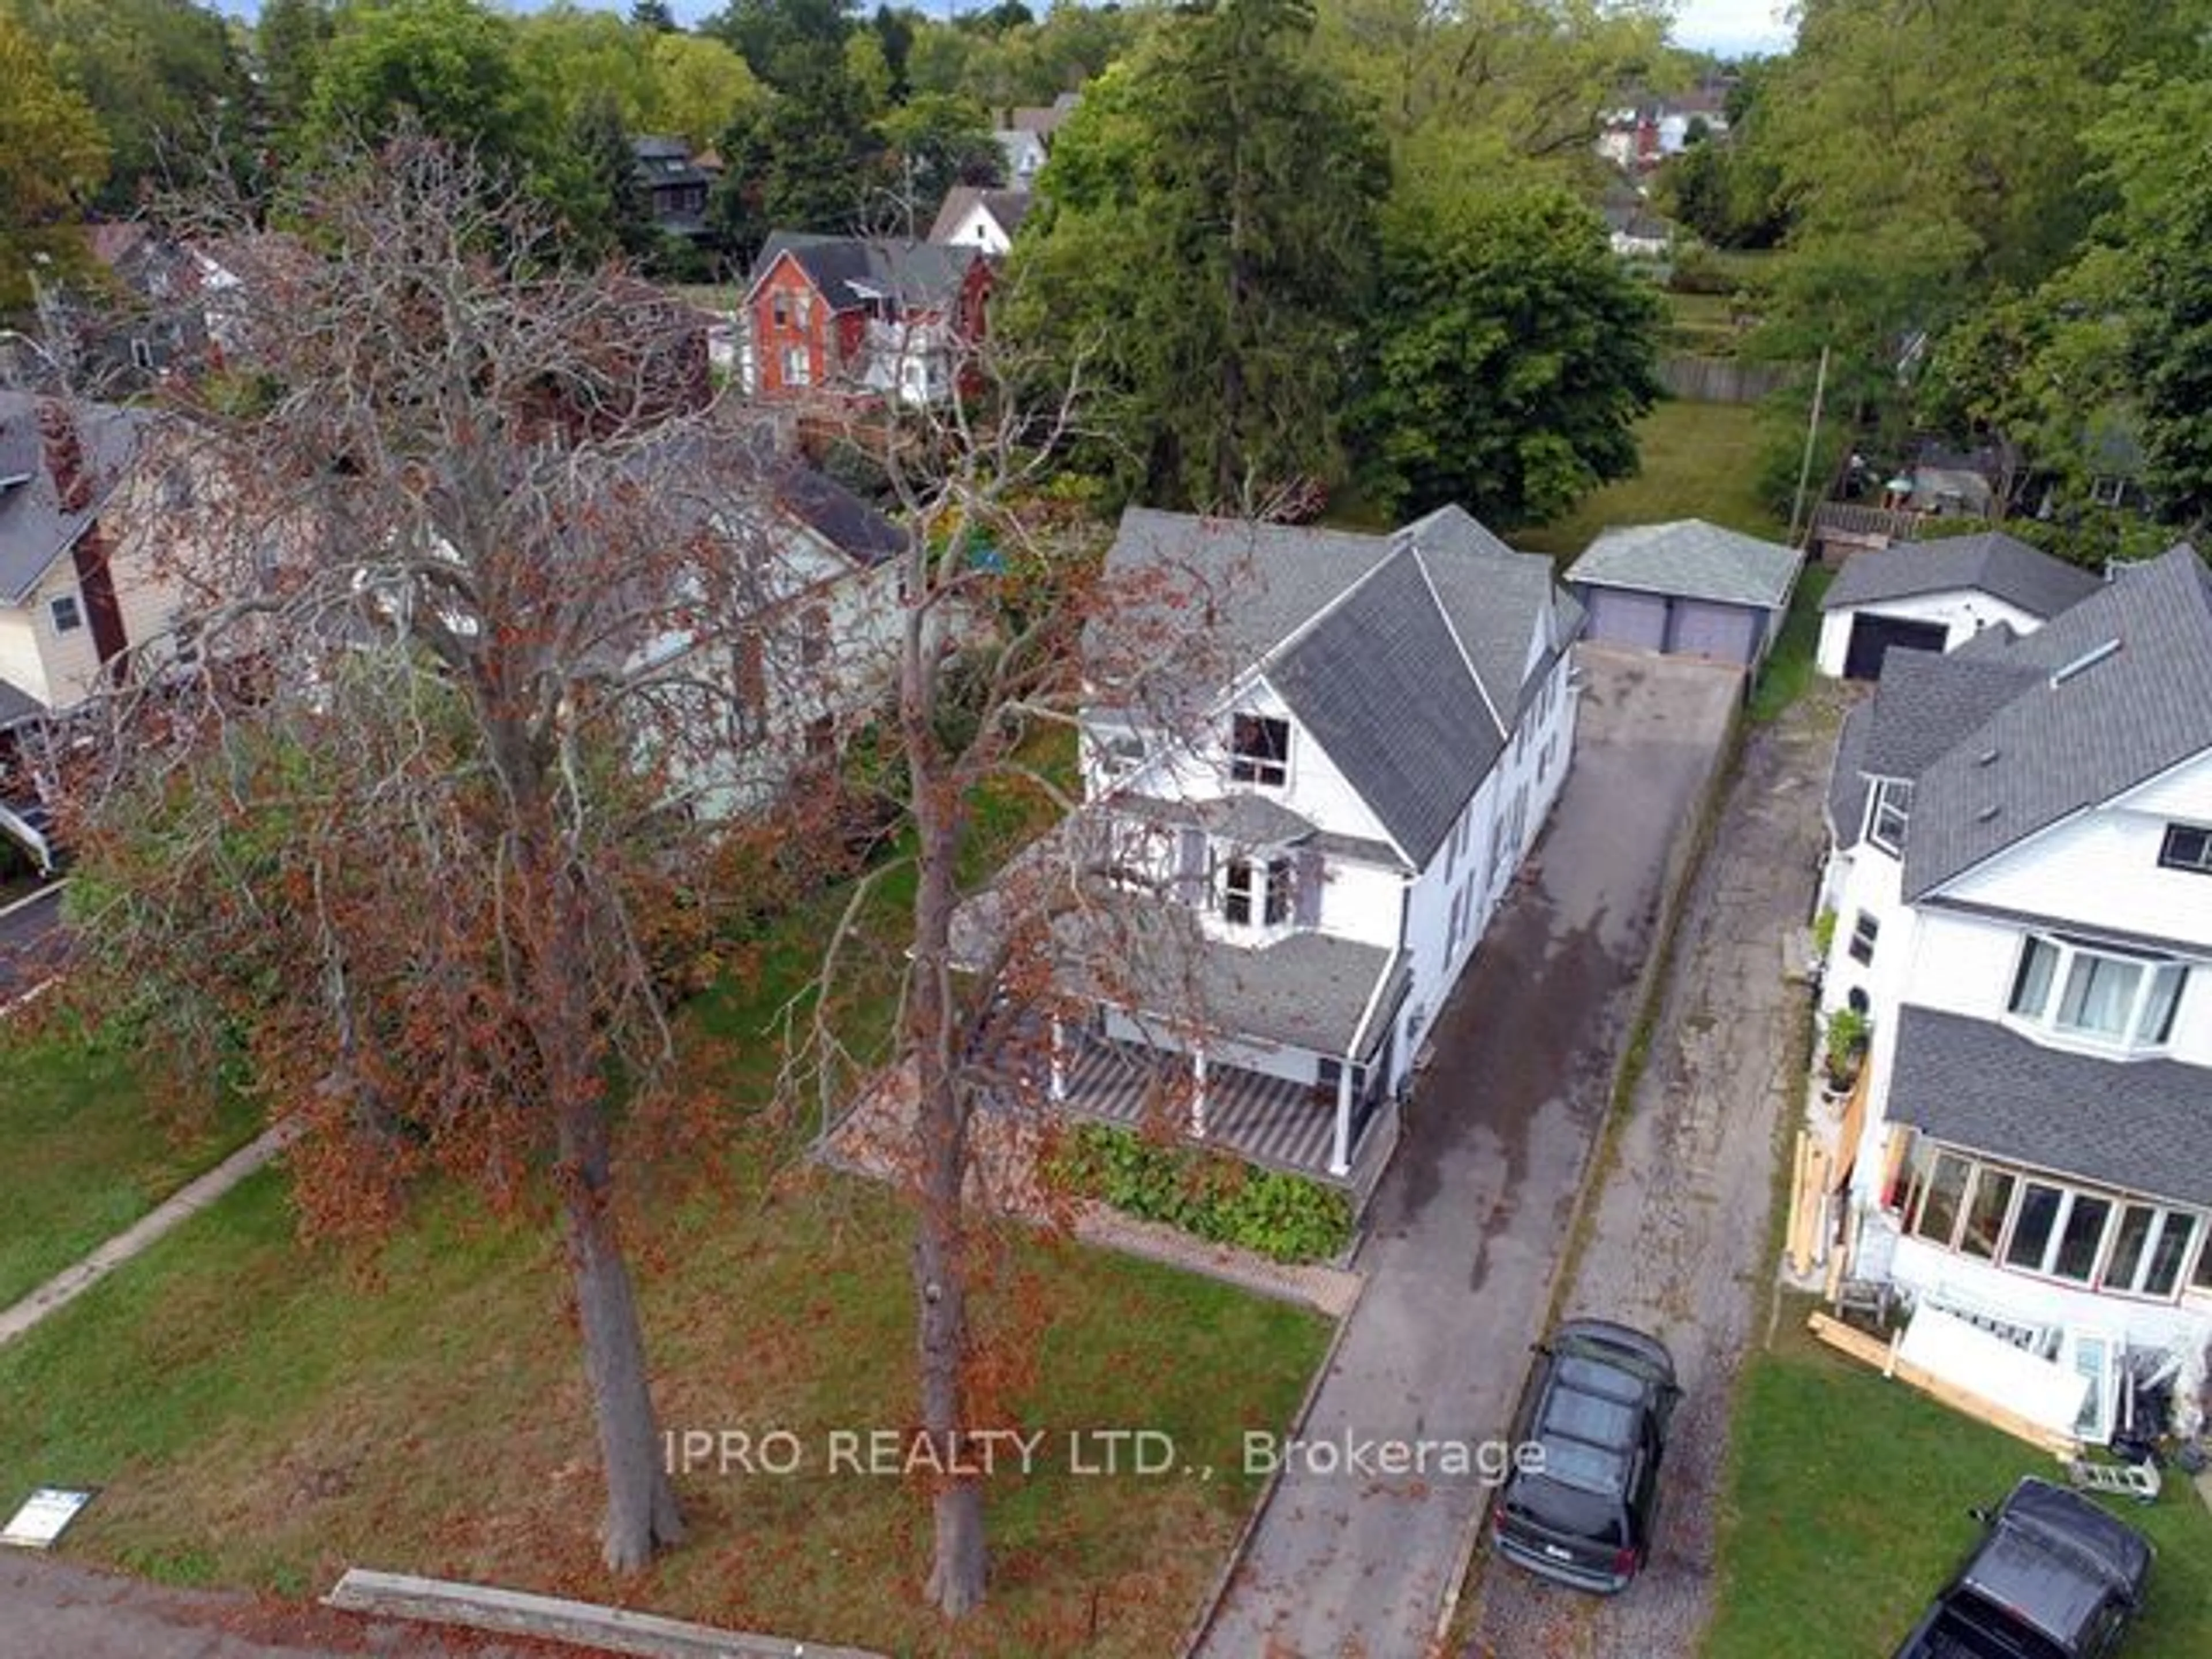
[[850, 270], [1694, 560], [2063, 745], [1847, 784], [1927, 701], [837, 515], [1991, 563], [1242, 819], [1008, 207], [1380, 683], [1393, 652], [17, 705], [34, 529], [1978, 1086]]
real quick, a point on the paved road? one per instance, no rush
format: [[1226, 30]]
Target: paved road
[[1471, 1217], [51, 1610], [30, 942], [1679, 1244]]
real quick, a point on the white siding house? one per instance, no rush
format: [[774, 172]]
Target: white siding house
[[982, 219], [1397, 720], [1934, 596], [2022, 879]]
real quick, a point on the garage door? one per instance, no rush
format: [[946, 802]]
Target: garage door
[[1726, 633], [1617, 616], [1873, 636]]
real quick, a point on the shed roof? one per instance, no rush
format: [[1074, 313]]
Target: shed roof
[[1692, 559]]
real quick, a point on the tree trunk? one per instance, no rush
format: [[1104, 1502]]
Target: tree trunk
[[641, 1515], [959, 1566]]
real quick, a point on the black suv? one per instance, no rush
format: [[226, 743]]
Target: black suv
[[2054, 1577], [1597, 1407]]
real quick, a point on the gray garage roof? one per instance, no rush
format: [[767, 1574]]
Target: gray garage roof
[[1978, 1086], [17, 705], [1692, 559], [1992, 562], [1400, 655]]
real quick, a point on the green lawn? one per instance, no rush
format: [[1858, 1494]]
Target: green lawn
[[1788, 670], [1846, 1512], [263, 1416], [1698, 461], [85, 1156]]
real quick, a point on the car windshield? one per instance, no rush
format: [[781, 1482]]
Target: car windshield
[[1566, 1509]]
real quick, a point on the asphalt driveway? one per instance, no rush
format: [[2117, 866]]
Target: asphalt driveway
[[1468, 1226], [1679, 1241]]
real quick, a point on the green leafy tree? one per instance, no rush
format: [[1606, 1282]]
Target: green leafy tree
[[593, 186], [1510, 353], [701, 89], [934, 143], [290, 40], [570, 56], [451, 63], [808, 160], [165, 78], [787, 42], [53, 156], [1207, 250], [2172, 351]]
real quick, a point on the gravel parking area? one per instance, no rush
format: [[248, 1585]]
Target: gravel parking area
[[1678, 1235]]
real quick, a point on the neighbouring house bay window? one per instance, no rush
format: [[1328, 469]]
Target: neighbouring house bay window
[[1256, 893], [1892, 810], [2097, 995], [2052, 1229], [1260, 750]]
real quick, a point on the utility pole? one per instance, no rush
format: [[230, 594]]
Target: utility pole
[[1812, 435]]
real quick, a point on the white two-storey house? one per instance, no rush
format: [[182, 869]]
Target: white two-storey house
[[1333, 829], [2022, 886]]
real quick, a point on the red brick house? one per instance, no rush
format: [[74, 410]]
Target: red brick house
[[857, 316]]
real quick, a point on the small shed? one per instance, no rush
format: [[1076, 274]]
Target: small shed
[[1934, 596], [1686, 589]]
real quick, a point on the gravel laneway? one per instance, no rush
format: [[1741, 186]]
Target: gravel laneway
[[1678, 1241]]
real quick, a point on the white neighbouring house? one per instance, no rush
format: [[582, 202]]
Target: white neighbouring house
[[1335, 829], [2022, 879], [1934, 596], [986, 220]]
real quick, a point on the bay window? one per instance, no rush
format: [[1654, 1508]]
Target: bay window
[[1892, 810], [2097, 995]]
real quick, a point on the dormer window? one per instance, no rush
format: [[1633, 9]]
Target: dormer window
[[2187, 847], [1892, 810], [1254, 887], [1259, 751], [2104, 996]]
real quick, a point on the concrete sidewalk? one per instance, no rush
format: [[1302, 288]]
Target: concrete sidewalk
[[65, 1287], [1471, 1218]]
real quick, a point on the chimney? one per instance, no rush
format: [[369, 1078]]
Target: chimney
[[64, 448]]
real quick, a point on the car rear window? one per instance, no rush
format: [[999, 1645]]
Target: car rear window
[[1564, 1509], [1975, 1628]]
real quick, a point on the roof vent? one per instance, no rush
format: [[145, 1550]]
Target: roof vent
[[1987, 757], [2084, 663], [1986, 813]]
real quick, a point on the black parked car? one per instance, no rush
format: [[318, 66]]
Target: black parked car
[[2054, 1577], [1598, 1405]]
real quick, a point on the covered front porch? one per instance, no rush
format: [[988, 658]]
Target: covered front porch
[[1334, 1128]]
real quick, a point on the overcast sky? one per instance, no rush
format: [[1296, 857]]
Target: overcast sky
[[1732, 28]]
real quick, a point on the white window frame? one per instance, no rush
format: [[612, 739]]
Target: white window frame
[[798, 366], [2038, 1014], [2196, 863], [1266, 771], [1889, 794], [1866, 933]]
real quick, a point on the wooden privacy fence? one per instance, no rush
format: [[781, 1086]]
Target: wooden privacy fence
[[1725, 379]]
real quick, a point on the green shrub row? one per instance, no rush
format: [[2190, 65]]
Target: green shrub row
[[1209, 1194]]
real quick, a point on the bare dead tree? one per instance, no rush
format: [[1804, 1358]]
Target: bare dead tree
[[1012, 626], [402, 817]]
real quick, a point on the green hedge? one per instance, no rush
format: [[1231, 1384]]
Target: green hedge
[[1221, 1199]]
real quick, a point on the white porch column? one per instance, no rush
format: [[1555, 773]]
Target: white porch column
[[1339, 1152], [1059, 1062], [1198, 1093]]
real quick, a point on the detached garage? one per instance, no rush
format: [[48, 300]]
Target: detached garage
[[1686, 589], [1934, 596]]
